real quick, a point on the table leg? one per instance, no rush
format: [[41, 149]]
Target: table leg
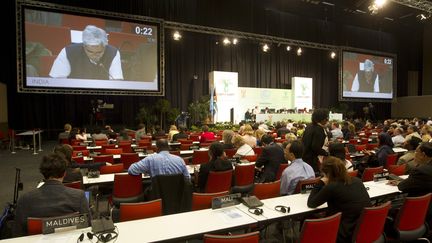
[[40, 141], [12, 142], [34, 142]]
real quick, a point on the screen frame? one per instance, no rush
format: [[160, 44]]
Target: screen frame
[[366, 52], [22, 5]]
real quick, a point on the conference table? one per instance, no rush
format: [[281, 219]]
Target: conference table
[[194, 224], [32, 133]]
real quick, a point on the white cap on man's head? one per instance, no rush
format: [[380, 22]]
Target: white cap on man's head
[[368, 65]]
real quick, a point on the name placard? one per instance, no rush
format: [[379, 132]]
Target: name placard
[[226, 201], [50, 224], [380, 176]]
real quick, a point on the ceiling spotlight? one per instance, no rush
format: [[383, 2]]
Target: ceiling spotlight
[[422, 17], [373, 9], [333, 55], [235, 41], [380, 3], [288, 48], [226, 41], [265, 48], [299, 51], [176, 36]]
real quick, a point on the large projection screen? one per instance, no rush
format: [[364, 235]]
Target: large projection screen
[[62, 49], [367, 76]]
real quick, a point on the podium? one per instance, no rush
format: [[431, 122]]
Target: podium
[[101, 113]]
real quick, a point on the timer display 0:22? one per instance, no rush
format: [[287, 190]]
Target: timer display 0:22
[[143, 30]]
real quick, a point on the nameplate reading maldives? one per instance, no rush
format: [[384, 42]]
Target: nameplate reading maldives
[[226, 201], [50, 224]]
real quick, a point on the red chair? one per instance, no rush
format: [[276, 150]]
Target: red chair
[[353, 141], [219, 181], [257, 150], [200, 157], [307, 183], [144, 143], [391, 160], [353, 173], [204, 200], [126, 189], [194, 137], [127, 148], [79, 148], [368, 173], [370, 226], [361, 147], [230, 152], [74, 184], [252, 237], [111, 169], [104, 158], [267, 190], [175, 152], [185, 141], [397, 169], [320, 230], [282, 167], [185, 146], [114, 151], [244, 174], [371, 146], [250, 158], [410, 221], [78, 160], [129, 158], [34, 226], [101, 142], [80, 22], [107, 146], [141, 210]]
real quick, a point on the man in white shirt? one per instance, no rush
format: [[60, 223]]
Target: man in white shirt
[[336, 131], [91, 59], [366, 80], [398, 139]]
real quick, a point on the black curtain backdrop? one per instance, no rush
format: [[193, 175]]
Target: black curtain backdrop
[[198, 54]]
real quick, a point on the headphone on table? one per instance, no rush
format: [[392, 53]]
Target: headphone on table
[[282, 209], [256, 211], [101, 237]]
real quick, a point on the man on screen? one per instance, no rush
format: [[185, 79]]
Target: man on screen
[[366, 80], [91, 59]]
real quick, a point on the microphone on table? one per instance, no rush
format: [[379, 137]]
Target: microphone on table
[[105, 70]]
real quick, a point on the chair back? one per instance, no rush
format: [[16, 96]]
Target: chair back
[[320, 230], [252, 237], [111, 169], [267, 190], [104, 158], [250, 158], [107, 146], [77, 153], [204, 200], [371, 146], [74, 184], [78, 160], [370, 226], [141, 210], [391, 159], [257, 150], [114, 151], [128, 158], [175, 152], [305, 183], [34, 226], [353, 173], [230, 152], [127, 188], [353, 141], [127, 147], [397, 169], [200, 157], [101, 142], [360, 147], [369, 173], [410, 221], [175, 192], [282, 167], [244, 174], [219, 181], [79, 147]]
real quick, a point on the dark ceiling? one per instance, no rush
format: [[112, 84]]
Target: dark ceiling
[[351, 11]]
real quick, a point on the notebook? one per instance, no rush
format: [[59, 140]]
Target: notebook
[[251, 202]]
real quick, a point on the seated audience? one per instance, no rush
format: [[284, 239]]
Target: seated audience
[[72, 172], [124, 136], [206, 135], [242, 147], [398, 138], [385, 147], [181, 134], [269, 160], [173, 130], [227, 137], [338, 150], [159, 133], [335, 131], [98, 135], [342, 193], [52, 198], [297, 170], [65, 134], [248, 137], [140, 132], [408, 157], [412, 131], [426, 132], [217, 162]]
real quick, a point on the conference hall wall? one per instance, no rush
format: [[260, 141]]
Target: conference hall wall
[[198, 54]]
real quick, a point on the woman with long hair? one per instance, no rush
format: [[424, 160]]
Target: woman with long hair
[[342, 193]]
